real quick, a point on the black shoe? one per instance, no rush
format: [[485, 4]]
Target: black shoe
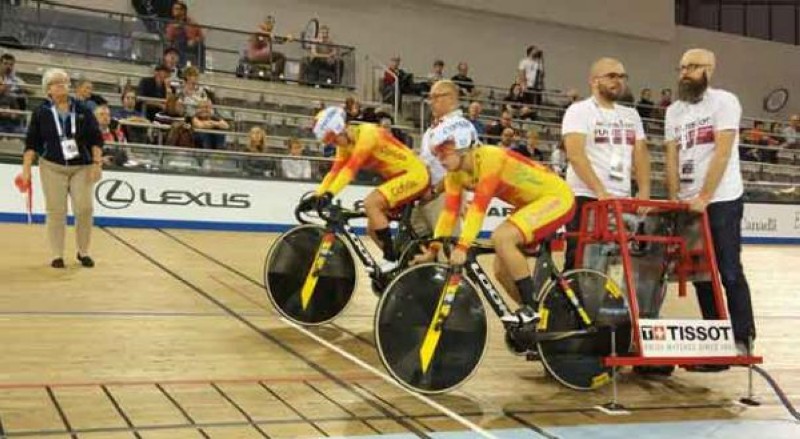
[[708, 368], [514, 345], [86, 261], [654, 370], [57, 263]]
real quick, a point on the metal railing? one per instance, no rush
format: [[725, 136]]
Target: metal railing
[[53, 26]]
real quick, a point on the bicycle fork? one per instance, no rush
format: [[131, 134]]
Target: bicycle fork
[[441, 313], [324, 251]]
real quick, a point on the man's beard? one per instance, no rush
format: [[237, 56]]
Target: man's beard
[[691, 90], [610, 95]]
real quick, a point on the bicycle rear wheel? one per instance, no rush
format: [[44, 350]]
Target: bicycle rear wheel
[[576, 362], [402, 320], [288, 266]]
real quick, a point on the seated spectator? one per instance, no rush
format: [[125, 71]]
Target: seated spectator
[[155, 87], [757, 136], [185, 36], [497, 127], [170, 60], [437, 74], [174, 111], [465, 85], [508, 138], [392, 74], [531, 148], [666, 100], [352, 108], [205, 118], [257, 144], [386, 121], [516, 97], [193, 93], [262, 58], [129, 113], [791, 134], [12, 96], [326, 65], [293, 168], [84, 93], [645, 106], [111, 131], [473, 115]]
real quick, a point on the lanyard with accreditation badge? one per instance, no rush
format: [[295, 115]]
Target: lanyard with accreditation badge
[[68, 145], [617, 168]]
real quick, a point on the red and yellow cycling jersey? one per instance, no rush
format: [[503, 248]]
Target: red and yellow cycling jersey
[[543, 201], [374, 148]]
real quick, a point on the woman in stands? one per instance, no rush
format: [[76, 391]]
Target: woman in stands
[[65, 136], [192, 92]]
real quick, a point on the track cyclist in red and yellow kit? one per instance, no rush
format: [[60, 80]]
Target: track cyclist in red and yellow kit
[[368, 146], [543, 203]]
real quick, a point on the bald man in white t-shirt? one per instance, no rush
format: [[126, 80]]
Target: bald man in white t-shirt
[[702, 167], [604, 140]]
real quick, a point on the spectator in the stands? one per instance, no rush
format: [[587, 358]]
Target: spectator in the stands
[[473, 115], [205, 118], [174, 111], [516, 97], [756, 136], [261, 49], [295, 168], [791, 134], [531, 149], [508, 138], [437, 74], [352, 108], [84, 93], [170, 60], [497, 127], [185, 35], [395, 74], [193, 93], [326, 66], [465, 84], [386, 121], [129, 114], [645, 105], [12, 96], [666, 101], [112, 133], [155, 87], [257, 144], [531, 74]]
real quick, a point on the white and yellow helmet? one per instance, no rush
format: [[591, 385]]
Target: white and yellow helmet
[[329, 123]]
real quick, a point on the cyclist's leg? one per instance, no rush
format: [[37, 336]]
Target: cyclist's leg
[[390, 195], [534, 222], [505, 279]]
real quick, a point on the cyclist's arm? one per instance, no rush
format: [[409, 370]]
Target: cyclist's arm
[[452, 206], [338, 163], [473, 220], [367, 139]]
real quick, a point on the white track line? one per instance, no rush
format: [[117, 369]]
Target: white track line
[[446, 411]]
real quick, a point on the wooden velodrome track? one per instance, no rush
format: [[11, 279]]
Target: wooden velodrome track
[[172, 336]]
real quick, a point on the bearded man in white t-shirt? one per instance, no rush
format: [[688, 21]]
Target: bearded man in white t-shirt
[[702, 165], [605, 142]]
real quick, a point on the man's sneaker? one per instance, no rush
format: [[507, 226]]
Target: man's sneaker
[[523, 316], [514, 345]]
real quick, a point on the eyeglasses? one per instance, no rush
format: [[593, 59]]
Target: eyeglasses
[[613, 76], [691, 67]]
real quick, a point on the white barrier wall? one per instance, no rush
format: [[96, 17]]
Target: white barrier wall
[[157, 200]]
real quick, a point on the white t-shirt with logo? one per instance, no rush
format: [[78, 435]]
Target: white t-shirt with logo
[[452, 127], [530, 67], [610, 138], [693, 127]]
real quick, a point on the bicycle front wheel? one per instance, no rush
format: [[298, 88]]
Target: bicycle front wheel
[[289, 268], [577, 362], [403, 319]]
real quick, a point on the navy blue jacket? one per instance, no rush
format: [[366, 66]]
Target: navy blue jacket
[[43, 134]]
